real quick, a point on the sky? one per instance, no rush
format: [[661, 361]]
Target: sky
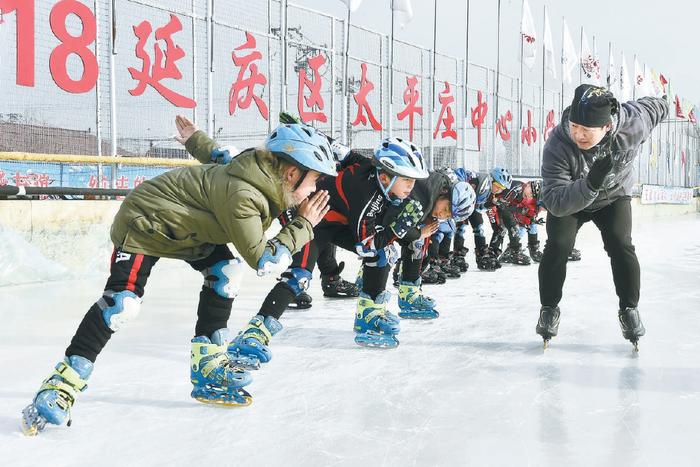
[[660, 36]]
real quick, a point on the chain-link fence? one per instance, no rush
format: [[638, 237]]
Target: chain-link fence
[[232, 65]]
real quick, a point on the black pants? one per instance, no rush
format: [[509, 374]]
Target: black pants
[[130, 271], [476, 220], [320, 250], [615, 225]]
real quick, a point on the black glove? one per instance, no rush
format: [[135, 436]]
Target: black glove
[[599, 170], [538, 221]]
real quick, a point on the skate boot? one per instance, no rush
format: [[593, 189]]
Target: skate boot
[[487, 259], [413, 304], [56, 395], [335, 286], [253, 341], [372, 328], [216, 379], [431, 276], [548, 324], [459, 259], [301, 302], [449, 269], [514, 255], [575, 255], [534, 250], [631, 325]]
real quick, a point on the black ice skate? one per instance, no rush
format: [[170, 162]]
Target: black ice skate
[[631, 325], [335, 286], [548, 324]]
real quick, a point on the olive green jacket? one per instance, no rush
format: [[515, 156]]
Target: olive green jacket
[[185, 212]]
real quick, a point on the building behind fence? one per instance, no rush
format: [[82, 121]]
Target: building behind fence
[[130, 109]]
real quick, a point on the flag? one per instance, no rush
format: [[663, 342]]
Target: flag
[[625, 84], [670, 95], [528, 36], [403, 10], [588, 61], [664, 82], [568, 56], [639, 83], [613, 79], [656, 84], [687, 108], [352, 4], [679, 107], [549, 47]]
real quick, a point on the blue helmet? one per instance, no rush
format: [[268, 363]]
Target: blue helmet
[[502, 177], [303, 146], [463, 200], [400, 158]]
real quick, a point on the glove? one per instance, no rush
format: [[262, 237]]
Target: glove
[[409, 217], [275, 258], [387, 255], [538, 221], [599, 170], [221, 156]]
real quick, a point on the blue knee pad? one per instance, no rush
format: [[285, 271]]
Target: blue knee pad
[[479, 231], [125, 308], [439, 236], [297, 279], [224, 277], [532, 229]]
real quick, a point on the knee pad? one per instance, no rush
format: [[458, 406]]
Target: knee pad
[[297, 279], [118, 308], [439, 236], [479, 231], [224, 277], [462, 231], [532, 229]]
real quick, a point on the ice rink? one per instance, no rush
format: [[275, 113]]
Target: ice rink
[[471, 388]]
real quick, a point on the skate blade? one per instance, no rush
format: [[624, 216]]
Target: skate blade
[[382, 341], [239, 398], [545, 344], [419, 315], [635, 344], [225, 403], [32, 423]]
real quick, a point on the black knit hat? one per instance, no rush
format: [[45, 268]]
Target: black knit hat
[[592, 106]]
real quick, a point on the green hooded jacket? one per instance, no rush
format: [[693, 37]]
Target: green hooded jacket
[[185, 212]]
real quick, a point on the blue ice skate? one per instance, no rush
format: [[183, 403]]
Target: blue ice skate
[[56, 395], [253, 341], [413, 304], [372, 328], [215, 378]]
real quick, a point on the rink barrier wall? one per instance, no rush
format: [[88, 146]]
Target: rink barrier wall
[[28, 217]]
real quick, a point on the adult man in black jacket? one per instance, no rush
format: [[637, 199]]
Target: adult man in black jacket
[[587, 171]]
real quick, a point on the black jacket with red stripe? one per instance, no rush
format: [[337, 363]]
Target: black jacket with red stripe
[[357, 201]]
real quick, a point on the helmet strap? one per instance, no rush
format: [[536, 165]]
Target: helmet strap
[[304, 173], [386, 189]]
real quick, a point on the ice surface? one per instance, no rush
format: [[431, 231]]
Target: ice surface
[[471, 388]]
